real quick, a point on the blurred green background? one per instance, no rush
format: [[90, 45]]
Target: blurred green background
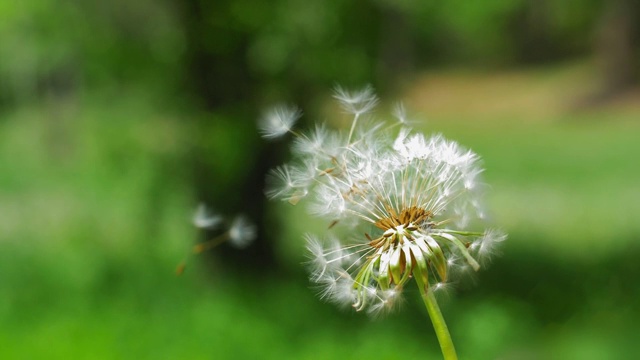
[[117, 118]]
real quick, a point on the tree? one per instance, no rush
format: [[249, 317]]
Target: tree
[[616, 46]]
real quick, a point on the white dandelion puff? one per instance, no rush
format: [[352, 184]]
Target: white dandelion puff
[[487, 245], [278, 121], [317, 141], [204, 218], [385, 302], [356, 102], [399, 112], [343, 294], [287, 183], [442, 289], [242, 232], [411, 198], [317, 259]]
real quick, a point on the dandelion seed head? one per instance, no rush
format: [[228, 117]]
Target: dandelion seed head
[[407, 200]]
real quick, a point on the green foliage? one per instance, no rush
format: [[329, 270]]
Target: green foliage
[[50, 46]]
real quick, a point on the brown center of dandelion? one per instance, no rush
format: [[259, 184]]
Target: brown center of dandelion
[[412, 215], [408, 218]]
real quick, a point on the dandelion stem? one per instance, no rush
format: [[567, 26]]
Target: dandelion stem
[[463, 233], [297, 134], [210, 244], [439, 325], [353, 126], [463, 249]]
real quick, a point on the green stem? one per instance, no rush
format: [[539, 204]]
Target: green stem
[[210, 244], [353, 126], [463, 233], [463, 249], [442, 332]]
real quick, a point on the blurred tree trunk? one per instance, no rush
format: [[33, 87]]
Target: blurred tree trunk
[[397, 47], [215, 72], [218, 78], [531, 30], [615, 49]]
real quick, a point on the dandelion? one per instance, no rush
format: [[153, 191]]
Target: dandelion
[[406, 201], [240, 233]]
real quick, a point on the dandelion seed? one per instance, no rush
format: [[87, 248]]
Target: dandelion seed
[[486, 246], [204, 218], [400, 113], [286, 183], [278, 121], [356, 102], [386, 302], [242, 232], [317, 141]]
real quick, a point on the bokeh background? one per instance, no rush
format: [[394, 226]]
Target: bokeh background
[[117, 118]]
